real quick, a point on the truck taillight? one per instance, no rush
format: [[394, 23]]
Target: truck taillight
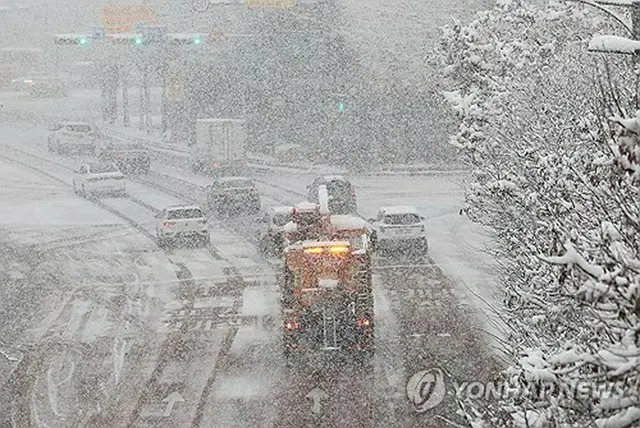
[[168, 223], [364, 322], [292, 325]]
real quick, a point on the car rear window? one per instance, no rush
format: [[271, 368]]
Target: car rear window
[[101, 168], [185, 213], [397, 219], [281, 219], [78, 128]]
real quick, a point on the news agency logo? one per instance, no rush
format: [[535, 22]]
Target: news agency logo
[[426, 389]]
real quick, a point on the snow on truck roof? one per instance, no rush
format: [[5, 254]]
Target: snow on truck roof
[[399, 209], [347, 222], [340, 222], [306, 205]]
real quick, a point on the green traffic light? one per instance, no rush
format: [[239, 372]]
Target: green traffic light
[[341, 107], [196, 41], [82, 41], [138, 41]]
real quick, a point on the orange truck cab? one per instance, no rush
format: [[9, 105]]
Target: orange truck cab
[[327, 297]]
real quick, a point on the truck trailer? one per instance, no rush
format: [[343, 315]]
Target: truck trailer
[[220, 147]]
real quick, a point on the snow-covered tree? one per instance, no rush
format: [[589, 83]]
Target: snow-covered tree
[[551, 134]]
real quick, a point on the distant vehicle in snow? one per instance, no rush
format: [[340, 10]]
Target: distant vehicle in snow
[[182, 222], [271, 238], [72, 137], [48, 87], [233, 195], [341, 194], [219, 147], [400, 228], [99, 178], [129, 157]]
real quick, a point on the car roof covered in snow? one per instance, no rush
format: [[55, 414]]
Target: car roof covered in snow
[[399, 209], [70, 122], [348, 222], [306, 205]]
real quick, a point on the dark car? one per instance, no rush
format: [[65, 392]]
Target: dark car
[[342, 196], [129, 157], [233, 195], [271, 237]]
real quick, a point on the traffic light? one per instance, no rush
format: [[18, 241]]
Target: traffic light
[[138, 41], [186, 39], [341, 107], [72, 39]]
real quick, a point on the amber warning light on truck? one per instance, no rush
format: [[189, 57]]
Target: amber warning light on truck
[[334, 249]]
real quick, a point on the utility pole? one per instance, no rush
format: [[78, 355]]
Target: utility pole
[[635, 19], [126, 120]]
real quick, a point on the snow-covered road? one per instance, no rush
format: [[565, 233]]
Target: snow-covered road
[[189, 337]]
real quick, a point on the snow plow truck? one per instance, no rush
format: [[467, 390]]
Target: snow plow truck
[[327, 298]]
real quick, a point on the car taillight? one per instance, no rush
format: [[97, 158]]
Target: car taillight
[[215, 165], [168, 223], [292, 325], [364, 322]]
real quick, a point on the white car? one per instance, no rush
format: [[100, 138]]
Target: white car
[[179, 222], [72, 137], [400, 228], [99, 178]]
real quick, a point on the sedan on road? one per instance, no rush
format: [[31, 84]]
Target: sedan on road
[[99, 178], [233, 195], [400, 228], [187, 222], [72, 137]]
